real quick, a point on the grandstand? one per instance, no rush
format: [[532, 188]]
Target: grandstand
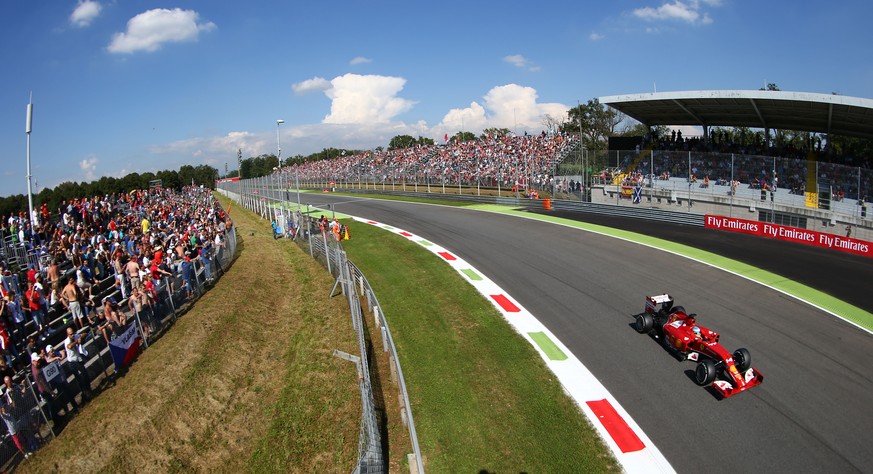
[[807, 187]]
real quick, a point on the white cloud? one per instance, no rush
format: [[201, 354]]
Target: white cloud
[[595, 36], [357, 99], [689, 12], [520, 61], [196, 147], [84, 13], [516, 60], [88, 167], [311, 85], [363, 112], [149, 30], [360, 60], [511, 106]]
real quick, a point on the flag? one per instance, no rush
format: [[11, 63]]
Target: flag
[[638, 194], [446, 138], [125, 347]]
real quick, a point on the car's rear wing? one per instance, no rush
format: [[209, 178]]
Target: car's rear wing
[[652, 302]]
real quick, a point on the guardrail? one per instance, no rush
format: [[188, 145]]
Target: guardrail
[[32, 413], [659, 215], [267, 201]]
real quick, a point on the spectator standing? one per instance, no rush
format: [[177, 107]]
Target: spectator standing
[[7, 413], [59, 381], [76, 354], [132, 270], [13, 304], [188, 277], [34, 304], [72, 298], [42, 386]]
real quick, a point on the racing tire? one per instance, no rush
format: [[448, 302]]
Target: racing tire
[[644, 323], [677, 309], [742, 359], [704, 374]]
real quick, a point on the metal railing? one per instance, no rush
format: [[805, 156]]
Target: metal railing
[[36, 414], [267, 200]]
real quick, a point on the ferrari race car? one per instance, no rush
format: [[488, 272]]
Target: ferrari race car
[[679, 332]]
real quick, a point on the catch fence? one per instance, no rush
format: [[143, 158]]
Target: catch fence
[[304, 229]]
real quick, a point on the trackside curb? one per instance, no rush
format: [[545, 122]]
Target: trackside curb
[[629, 444]]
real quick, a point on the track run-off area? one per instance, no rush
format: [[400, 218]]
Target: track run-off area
[[584, 282]]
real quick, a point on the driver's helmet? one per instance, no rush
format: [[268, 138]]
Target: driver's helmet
[[696, 330]]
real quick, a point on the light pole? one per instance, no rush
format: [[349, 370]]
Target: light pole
[[28, 127], [278, 146]]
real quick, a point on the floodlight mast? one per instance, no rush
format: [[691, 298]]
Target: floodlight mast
[[27, 129], [278, 146]]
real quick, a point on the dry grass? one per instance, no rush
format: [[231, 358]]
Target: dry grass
[[245, 381]]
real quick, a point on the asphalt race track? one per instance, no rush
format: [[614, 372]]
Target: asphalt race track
[[814, 411]]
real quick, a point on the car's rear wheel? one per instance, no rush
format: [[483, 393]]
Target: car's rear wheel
[[677, 309], [742, 359], [704, 374], [644, 323]]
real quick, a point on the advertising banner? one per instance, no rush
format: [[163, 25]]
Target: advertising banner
[[790, 234]]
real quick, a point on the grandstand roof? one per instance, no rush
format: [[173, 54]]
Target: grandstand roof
[[822, 113]]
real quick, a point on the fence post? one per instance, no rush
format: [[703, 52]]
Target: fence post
[[139, 323]]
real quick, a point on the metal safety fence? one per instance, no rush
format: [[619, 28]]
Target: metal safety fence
[[300, 225], [38, 396], [808, 182]]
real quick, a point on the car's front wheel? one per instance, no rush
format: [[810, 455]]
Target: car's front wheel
[[704, 374], [742, 359]]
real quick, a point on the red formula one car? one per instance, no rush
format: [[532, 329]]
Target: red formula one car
[[679, 332]]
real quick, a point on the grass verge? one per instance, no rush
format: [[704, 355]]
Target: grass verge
[[482, 399]]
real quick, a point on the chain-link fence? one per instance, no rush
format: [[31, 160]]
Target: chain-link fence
[[316, 237], [789, 181], [39, 393]]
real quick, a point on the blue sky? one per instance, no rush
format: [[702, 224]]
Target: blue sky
[[132, 86]]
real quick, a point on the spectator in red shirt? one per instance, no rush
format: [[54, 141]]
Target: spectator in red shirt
[[31, 273], [34, 304]]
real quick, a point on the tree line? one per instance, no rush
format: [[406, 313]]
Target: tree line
[[53, 197]]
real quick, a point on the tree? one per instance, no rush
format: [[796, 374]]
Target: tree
[[186, 174], [293, 160], [206, 175], [495, 132], [635, 129], [170, 178], [463, 137], [553, 124], [424, 141], [596, 121], [401, 141]]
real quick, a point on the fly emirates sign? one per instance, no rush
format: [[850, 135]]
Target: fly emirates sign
[[791, 234]]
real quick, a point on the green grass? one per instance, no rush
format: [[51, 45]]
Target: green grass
[[482, 398]]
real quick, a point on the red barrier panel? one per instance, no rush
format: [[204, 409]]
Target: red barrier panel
[[790, 234]]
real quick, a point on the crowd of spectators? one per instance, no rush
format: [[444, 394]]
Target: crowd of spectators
[[507, 161], [750, 162], [121, 246], [528, 162]]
